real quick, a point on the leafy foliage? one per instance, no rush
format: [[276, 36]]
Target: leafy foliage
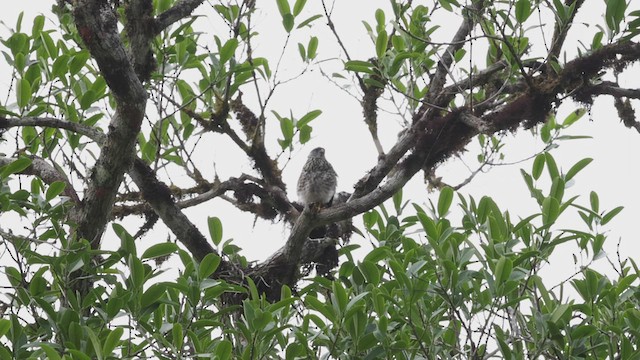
[[459, 277]]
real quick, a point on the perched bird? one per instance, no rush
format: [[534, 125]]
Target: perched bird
[[318, 180]]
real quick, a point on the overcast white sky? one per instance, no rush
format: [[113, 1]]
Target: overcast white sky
[[614, 174]]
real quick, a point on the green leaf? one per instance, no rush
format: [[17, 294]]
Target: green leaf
[[446, 4], [55, 189], [504, 347], [78, 355], [38, 25], [550, 210], [381, 43], [610, 215], [380, 17], [178, 336], [557, 189], [623, 284], [286, 126], [615, 13], [583, 331], [503, 270], [551, 166], [340, 295], [444, 201], [595, 202], [283, 7], [398, 43], [18, 43], [23, 92], [5, 325], [127, 243], [523, 10], [577, 167], [52, 354], [354, 300], [15, 167], [573, 117], [305, 134], [559, 312], [223, 350], [309, 21], [313, 303], [60, 66], [298, 6], [136, 270], [94, 342], [14, 276], [538, 166], [545, 133], [288, 22], [596, 43], [561, 11], [312, 48], [307, 118], [87, 99], [215, 229], [370, 218], [228, 50], [397, 201], [370, 271], [153, 294], [208, 265], [78, 61], [302, 51], [359, 66], [112, 341], [160, 250], [49, 45]]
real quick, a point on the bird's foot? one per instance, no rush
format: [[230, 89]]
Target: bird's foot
[[316, 207]]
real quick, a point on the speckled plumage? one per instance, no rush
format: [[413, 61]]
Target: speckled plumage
[[318, 180]]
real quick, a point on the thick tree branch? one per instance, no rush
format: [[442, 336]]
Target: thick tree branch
[[159, 197], [140, 30], [610, 88], [177, 12], [48, 173], [97, 25], [92, 133]]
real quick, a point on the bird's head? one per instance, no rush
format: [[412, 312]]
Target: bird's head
[[317, 153]]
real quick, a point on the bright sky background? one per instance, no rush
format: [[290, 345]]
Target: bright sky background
[[614, 174]]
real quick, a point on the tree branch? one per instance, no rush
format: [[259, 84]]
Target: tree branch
[[48, 173], [611, 88], [159, 197], [92, 133], [96, 22], [177, 12], [140, 30], [439, 78]]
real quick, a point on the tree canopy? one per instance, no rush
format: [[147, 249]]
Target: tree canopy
[[112, 113]]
